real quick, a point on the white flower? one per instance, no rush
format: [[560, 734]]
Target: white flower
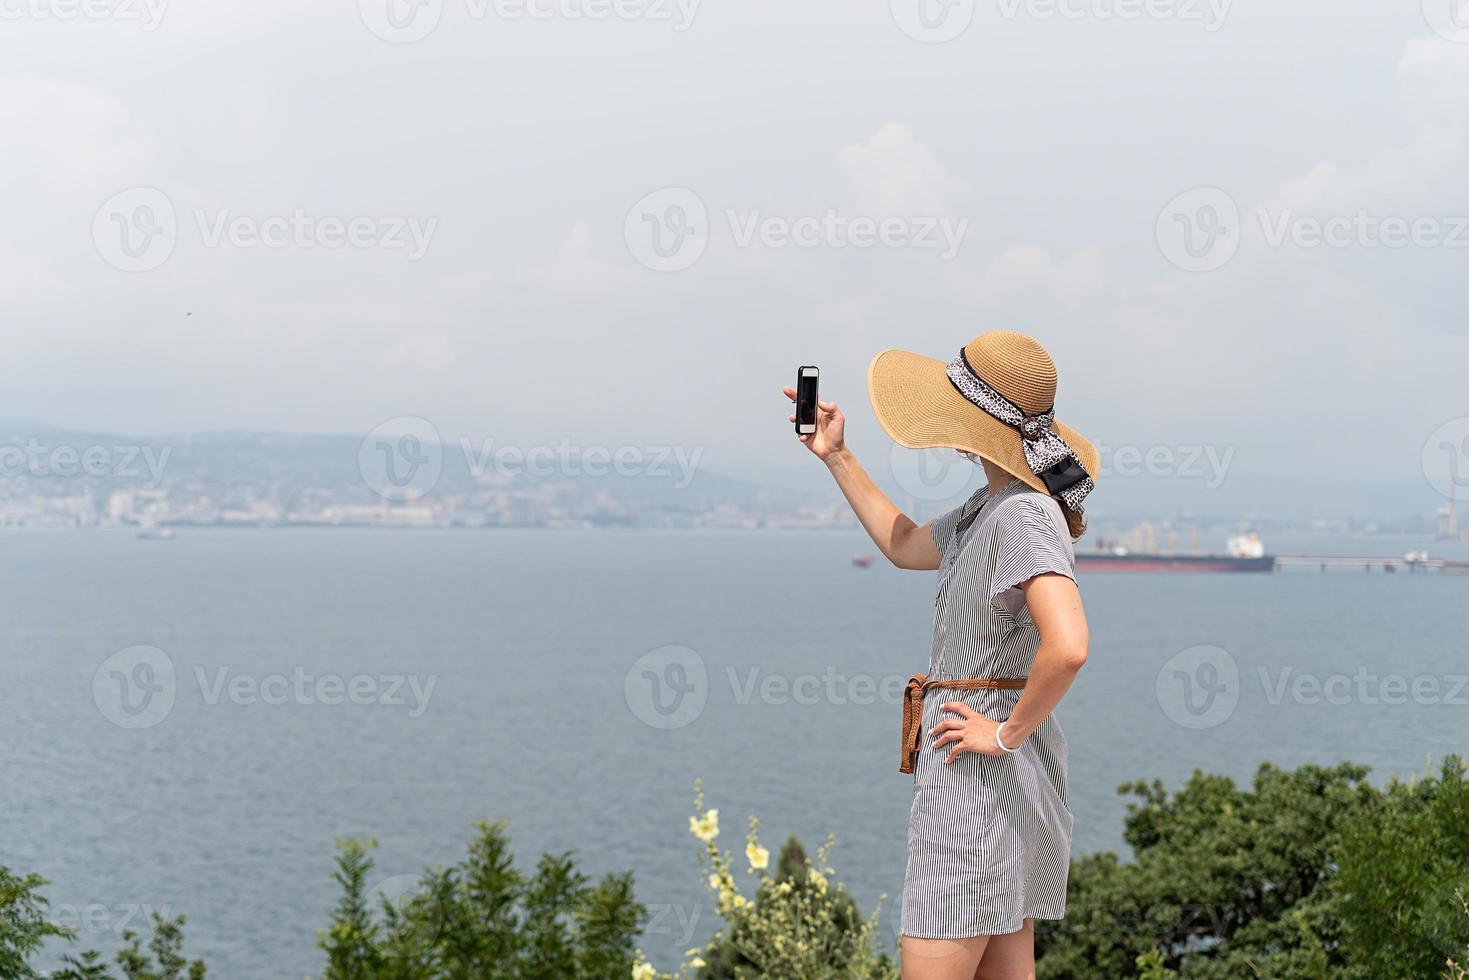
[[758, 856], [706, 828], [644, 971]]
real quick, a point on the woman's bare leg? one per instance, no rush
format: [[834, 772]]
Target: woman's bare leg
[[942, 959], [1010, 957]]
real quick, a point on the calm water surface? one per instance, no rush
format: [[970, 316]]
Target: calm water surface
[[227, 808]]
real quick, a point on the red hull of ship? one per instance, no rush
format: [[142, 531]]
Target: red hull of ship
[[1172, 563]]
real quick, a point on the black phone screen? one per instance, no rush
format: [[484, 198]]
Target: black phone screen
[[806, 394]]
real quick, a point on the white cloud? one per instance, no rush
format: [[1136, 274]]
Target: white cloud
[[67, 148], [575, 267], [1433, 86], [64, 138], [893, 174], [1030, 271]]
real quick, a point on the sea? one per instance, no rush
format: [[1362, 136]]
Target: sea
[[189, 725]]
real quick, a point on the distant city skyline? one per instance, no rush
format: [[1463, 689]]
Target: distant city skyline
[[537, 225], [407, 475]]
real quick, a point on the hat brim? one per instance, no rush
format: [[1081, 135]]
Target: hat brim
[[919, 407]]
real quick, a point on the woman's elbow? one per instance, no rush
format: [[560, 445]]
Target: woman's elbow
[[1071, 653]]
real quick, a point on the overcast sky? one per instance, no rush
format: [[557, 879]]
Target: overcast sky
[[1025, 160]]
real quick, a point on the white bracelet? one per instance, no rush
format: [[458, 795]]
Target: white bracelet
[[1003, 747]]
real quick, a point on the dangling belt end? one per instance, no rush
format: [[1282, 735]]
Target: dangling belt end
[[918, 686]]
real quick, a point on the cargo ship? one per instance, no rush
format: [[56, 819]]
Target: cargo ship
[[1244, 553]]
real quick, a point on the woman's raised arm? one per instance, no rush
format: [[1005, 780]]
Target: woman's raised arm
[[902, 542]]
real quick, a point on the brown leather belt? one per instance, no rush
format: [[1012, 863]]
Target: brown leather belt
[[919, 685]]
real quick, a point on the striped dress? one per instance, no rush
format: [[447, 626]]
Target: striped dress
[[989, 837]]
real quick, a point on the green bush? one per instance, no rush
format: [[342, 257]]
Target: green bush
[[24, 929], [800, 922], [1309, 874], [482, 918]]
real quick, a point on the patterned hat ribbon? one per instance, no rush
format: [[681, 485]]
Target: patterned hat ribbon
[[1047, 454]]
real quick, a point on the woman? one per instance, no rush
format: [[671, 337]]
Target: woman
[[989, 837]]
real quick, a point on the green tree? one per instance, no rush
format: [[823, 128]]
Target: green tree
[[1404, 865], [24, 928], [1308, 875], [482, 919]]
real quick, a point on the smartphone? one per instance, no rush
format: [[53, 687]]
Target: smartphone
[[806, 393]]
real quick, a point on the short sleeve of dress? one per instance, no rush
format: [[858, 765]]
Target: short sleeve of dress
[[1030, 539], [943, 527]]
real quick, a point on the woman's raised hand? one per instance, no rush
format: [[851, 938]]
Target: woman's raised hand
[[830, 425]]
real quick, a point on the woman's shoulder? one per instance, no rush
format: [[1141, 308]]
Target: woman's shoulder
[[1032, 509]]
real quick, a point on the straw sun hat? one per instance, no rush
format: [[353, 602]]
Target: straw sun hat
[[996, 400]]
